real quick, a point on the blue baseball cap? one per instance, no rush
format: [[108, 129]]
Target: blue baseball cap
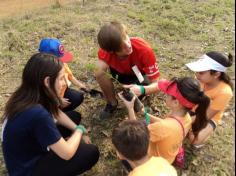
[[54, 47]]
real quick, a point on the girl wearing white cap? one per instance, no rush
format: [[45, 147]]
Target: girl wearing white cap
[[210, 71]]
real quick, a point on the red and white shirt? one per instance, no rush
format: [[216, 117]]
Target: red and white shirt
[[142, 56]]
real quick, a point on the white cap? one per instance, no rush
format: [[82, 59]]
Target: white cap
[[205, 63]]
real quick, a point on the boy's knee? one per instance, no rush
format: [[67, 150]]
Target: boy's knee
[[99, 74]]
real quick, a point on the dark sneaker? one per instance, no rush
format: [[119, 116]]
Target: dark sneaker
[[107, 111]]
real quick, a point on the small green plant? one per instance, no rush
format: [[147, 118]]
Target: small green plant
[[177, 30], [92, 68]]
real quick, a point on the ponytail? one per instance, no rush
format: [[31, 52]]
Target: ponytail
[[190, 89], [201, 119]]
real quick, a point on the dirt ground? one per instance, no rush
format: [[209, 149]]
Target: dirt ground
[[9, 8], [178, 31]]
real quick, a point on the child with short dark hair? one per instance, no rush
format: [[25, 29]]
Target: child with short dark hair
[[131, 140]]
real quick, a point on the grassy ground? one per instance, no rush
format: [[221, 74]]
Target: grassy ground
[[178, 30]]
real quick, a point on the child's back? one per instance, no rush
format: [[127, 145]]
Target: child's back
[[155, 166], [131, 140], [166, 136]]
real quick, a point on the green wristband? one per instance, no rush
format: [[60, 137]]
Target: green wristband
[[142, 90], [147, 117], [81, 128]]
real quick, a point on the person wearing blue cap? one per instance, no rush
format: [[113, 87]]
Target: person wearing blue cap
[[70, 98]]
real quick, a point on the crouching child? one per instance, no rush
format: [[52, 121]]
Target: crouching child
[[131, 141]]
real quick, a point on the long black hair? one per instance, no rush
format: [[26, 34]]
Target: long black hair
[[224, 60], [191, 90], [32, 90]]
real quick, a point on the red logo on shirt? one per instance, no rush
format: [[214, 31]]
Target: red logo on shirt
[[153, 68]]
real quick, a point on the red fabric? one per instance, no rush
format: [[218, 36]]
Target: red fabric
[[142, 56], [180, 158], [171, 89], [67, 57]]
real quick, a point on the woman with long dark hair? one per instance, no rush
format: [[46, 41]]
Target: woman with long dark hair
[[31, 141]]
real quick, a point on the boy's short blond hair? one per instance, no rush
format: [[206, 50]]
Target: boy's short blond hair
[[111, 36]]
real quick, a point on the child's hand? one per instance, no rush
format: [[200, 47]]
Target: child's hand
[[86, 139], [134, 88], [82, 85], [143, 109], [128, 104], [64, 102]]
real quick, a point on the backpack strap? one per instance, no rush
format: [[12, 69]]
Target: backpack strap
[[173, 117]]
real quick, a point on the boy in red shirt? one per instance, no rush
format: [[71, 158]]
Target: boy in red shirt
[[128, 60]]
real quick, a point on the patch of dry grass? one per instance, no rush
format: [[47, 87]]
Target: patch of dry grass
[[178, 30]]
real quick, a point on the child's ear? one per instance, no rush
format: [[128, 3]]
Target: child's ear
[[47, 81], [217, 75]]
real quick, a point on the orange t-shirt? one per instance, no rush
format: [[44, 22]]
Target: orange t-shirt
[[166, 137], [68, 77], [220, 97], [155, 166]]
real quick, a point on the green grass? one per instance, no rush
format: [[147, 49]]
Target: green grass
[[178, 30]]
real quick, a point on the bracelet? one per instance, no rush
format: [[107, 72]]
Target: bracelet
[[142, 90], [81, 128], [147, 117]]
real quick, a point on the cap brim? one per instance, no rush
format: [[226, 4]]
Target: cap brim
[[163, 85], [198, 66], [67, 57]]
